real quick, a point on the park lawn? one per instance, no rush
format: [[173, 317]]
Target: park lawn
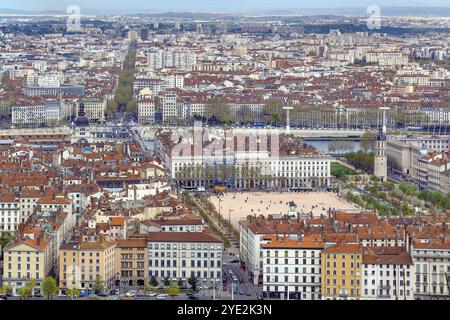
[[338, 170]]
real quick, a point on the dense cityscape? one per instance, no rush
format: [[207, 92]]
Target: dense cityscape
[[219, 156]]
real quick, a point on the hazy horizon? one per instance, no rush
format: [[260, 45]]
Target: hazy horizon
[[213, 5]]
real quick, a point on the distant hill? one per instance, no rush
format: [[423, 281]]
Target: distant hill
[[342, 11], [11, 11]]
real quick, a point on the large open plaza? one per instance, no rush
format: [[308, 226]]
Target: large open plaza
[[238, 205]]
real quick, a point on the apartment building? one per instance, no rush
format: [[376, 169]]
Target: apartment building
[[10, 213], [181, 255], [146, 111], [341, 272], [26, 259], [177, 58], [82, 262], [252, 233], [432, 171], [132, 262], [36, 115], [94, 108], [387, 274], [432, 268], [54, 91], [292, 268], [168, 104]]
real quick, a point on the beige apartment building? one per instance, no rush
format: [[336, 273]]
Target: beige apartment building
[[25, 260], [80, 263]]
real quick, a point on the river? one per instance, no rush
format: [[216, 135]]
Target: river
[[322, 145]]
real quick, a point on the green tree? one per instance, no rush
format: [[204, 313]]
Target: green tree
[[193, 282], [27, 290], [150, 288], [220, 109], [6, 289], [49, 287], [154, 282], [75, 292], [5, 238], [276, 118], [173, 290], [368, 141], [166, 281], [99, 285]]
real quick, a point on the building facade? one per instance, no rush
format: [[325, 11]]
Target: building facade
[[83, 263], [182, 255]]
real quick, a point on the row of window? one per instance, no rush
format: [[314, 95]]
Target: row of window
[[184, 246], [173, 254], [296, 254], [183, 274], [194, 263]]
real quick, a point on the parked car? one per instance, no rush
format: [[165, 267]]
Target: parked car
[[151, 294], [84, 293], [192, 297], [235, 279], [162, 296], [130, 293], [114, 292], [102, 294]]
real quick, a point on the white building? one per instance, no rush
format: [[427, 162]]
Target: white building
[[292, 267], [10, 214], [387, 274], [177, 58], [296, 166], [432, 268], [181, 255], [146, 111], [36, 115]]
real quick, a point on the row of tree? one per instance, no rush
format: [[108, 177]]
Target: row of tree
[[124, 92], [437, 199], [219, 110], [361, 160], [49, 288]]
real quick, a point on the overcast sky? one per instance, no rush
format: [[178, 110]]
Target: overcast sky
[[211, 5]]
